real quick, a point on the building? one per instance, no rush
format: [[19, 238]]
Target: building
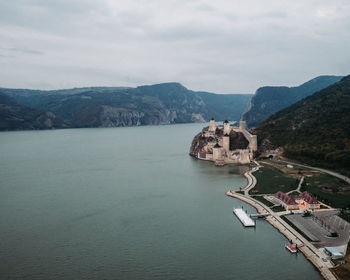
[[288, 202], [307, 201], [333, 252], [304, 201], [218, 144]]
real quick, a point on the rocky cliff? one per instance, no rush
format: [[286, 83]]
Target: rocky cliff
[[167, 103], [269, 100]]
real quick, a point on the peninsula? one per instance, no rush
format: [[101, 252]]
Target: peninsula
[[309, 206]]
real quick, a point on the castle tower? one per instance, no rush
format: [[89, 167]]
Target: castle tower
[[217, 152], [226, 142], [242, 125], [212, 125], [253, 143], [227, 128]]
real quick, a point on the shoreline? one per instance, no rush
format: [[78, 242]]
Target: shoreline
[[311, 253]]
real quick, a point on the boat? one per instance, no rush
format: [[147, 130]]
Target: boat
[[292, 248]]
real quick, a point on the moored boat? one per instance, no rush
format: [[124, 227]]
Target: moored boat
[[292, 248]]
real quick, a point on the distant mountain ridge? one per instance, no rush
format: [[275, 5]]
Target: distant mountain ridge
[[271, 99], [315, 130], [14, 116], [165, 103]]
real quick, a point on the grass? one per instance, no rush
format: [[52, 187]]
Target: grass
[[240, 192], [278, 208], [335, 199], [345, 216], [263, 200], [271, 180], [294, 193]]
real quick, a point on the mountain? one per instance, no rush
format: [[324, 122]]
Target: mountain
[[269, 100], [165, 103], [15, 116], [315, 130]]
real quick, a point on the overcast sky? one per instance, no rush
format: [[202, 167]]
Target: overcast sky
[[218, 46]]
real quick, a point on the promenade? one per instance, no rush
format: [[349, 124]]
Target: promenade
[[313, 254]]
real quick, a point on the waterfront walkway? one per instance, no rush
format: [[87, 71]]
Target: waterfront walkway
[[311, 253], [251, 179], [299, 186]]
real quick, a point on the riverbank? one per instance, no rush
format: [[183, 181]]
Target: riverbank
[[314, 255], [309, 251]]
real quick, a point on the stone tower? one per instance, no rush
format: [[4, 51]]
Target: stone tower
[[217, 152], [253, 143], [242, 125], [212, 125], [227, 128], [226, 142]]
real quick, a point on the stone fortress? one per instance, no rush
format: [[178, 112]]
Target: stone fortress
[[225, 144]]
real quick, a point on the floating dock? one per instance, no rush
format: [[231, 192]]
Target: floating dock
[[243, 217]]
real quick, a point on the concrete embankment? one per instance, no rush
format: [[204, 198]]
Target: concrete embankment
[[310, 252]]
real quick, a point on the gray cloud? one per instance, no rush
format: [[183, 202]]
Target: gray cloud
[[21, 50], [221, 46]]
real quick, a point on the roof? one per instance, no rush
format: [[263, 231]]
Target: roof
[[217, 146], [307, 197], [335, 251], [285, 198]]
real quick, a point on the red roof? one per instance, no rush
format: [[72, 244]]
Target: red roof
[[308, 198], [285, 198]]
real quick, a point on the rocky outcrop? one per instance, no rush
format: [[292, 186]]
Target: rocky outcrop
[[113, 117], [199, 141]]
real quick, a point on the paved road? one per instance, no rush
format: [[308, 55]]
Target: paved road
[[335, 174], [299, 186], [251, 179]]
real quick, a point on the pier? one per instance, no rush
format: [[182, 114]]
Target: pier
[[243, 217], [259, 216]]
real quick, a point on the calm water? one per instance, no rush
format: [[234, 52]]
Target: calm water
[[127, 203]]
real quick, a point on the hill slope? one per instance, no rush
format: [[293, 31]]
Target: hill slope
[[269, 100], [315, 130], [156, 104], [15, 116]]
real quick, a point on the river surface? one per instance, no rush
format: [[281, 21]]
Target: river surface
[[128, 203]]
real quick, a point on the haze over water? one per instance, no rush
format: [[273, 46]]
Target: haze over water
[[128, 203]]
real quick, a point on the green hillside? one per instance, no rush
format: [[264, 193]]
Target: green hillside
[[269, 100], [14, 116], [315, 130]]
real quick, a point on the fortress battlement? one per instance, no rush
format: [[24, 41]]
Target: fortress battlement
[[225, 144]]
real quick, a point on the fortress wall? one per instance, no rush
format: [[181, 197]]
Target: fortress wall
[[252, 139], [226, 143]]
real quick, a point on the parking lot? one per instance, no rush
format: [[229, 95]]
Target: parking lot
[[318, 230]]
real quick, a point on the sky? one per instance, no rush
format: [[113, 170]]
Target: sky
[[218, 46]]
